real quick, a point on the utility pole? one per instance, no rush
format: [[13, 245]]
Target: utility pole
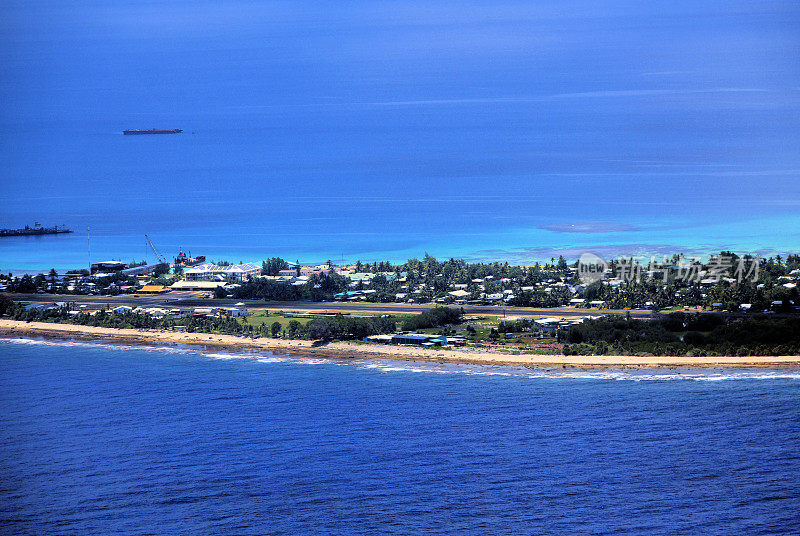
[[503, 292], [89, 244]]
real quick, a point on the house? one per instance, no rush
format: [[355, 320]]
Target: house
[[361, 277], [122, 309], [597, 303], [240, 309], [547, 325]]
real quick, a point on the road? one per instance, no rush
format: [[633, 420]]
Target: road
[[192, 299]]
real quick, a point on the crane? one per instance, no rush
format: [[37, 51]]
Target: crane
[[159, 257]]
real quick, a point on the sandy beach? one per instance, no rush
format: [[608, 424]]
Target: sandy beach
[[352, 350]]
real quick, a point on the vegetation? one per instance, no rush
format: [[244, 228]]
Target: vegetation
[[348, 327], [684, 334], [273, 266], [433, 318]]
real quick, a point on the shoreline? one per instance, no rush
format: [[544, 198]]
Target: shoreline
[[348, 350]]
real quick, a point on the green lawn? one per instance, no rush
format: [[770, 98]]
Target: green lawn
[[270, 317]]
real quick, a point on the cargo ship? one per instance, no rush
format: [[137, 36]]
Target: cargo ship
[[37, 229], [152, 131], [187, 260]]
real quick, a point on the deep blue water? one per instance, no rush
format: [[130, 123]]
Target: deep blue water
[[102, 439], [316, 130]]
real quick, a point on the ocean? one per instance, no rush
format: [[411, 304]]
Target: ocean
[[384, 130], [134, 440]]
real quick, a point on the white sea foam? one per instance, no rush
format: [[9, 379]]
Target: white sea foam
[[228, 356], [639, 375], [271, 360], [312, 361]]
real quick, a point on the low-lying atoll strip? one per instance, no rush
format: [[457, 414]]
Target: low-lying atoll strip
[[358, 350]]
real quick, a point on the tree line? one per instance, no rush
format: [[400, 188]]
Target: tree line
[[684, 334]]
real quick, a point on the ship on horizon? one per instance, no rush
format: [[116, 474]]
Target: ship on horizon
[[152, 131], [37, 229]]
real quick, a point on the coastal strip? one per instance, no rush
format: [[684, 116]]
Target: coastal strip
[[350, 350]]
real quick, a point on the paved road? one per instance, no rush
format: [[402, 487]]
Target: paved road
[[192, 299]]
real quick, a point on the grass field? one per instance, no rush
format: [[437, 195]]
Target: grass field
[[270, 317]]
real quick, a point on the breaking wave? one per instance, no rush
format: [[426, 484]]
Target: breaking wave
[[413, 367]]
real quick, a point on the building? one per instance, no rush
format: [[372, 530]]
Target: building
[[108, 267], [547, 325], [413, 338], [240, 309], [233, 272], [209, 286], [153, 289], [140, 270], [382, 339]]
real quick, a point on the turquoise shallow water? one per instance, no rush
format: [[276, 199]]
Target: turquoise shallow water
[[100, 439], [496, 130]]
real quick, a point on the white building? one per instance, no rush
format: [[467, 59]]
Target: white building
[[234, 272], [197, 285], [549, 324], [239, 309]]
